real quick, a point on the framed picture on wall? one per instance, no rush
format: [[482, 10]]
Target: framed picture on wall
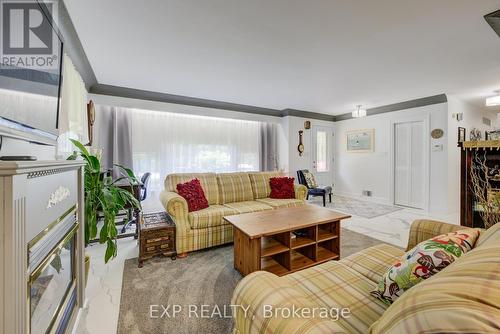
[[461, 135], [360, 141], [493, 135]]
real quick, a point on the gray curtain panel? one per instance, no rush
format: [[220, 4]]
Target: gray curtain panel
[[268, 147], [112, 132]]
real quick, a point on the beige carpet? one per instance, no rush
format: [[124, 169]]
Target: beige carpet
[[203, 278]]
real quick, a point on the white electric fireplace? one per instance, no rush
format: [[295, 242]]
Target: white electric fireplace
[[42, 247]]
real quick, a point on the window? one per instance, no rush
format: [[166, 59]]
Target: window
[[164, 143], [322, 151]]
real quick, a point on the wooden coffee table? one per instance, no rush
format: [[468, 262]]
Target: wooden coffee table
[[285, 240]]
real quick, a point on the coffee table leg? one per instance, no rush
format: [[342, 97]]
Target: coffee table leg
[[246, 252], [238, 250]]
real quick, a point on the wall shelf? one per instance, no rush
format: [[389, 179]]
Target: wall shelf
[[482, 144]]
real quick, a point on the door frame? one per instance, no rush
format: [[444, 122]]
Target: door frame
[[427, 157], [330, 151]]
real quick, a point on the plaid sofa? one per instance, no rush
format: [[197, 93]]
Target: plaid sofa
[[462, 298], [227, 194]]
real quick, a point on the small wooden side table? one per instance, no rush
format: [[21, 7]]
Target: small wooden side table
[[156, 236]]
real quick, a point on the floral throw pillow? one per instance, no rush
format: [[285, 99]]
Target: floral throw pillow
[[194, 195], [424, 260], [310, 180]]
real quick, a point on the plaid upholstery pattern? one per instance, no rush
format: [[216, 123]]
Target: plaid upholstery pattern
[[206, 228], [373, 262], [300, 192], [248, 206], [281, 203], [260, 183], [208, 183], [176, 206], [262, 288], [490, 236], [195, 239], [421, 230], [209, 217], [234, 187], [188, 239], [462, 298], [333, 284]]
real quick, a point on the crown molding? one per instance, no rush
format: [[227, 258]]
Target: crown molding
[[179, 99], [422, 102]]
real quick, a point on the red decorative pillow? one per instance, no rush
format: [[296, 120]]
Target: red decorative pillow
[[282, 187], [194, 195]]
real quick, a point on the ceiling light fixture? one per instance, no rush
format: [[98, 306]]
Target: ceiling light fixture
[[359, 112], [494, 100]]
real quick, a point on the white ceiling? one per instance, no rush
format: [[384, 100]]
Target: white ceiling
[[317, 55]]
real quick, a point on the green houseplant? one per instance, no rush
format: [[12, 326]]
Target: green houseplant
[[102, 195]]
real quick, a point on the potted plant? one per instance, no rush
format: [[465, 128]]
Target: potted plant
[[102, 195]]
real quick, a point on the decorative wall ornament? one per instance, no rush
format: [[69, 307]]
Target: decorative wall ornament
[[307, 125], [300, 147], [58, 196], [437, 133], [360, 141], [91, 120], [461, 135]]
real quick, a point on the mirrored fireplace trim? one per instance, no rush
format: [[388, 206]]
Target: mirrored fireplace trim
[[43, 265], [40, 235]]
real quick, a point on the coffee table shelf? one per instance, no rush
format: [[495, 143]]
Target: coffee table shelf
[[300, 261], [325, 235], [271, 246], [326, 254], [273, 266], [299, 242], [283, 241]]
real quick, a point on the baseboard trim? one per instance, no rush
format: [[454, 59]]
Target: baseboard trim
[[78, 316]]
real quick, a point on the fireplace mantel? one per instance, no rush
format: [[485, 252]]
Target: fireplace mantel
[[34, 197]]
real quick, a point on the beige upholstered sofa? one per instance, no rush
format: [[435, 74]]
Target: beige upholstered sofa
[[227, 194], [462, 298]]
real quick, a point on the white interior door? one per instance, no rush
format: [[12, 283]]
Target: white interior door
[[322, 157], [409, 164]]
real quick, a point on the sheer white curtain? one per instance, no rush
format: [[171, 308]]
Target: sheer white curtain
[[164, 143], [73, 108]]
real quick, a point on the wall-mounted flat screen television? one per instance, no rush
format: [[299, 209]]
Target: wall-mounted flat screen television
[[30, 71]]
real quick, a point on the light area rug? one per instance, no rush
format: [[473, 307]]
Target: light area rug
[[356, 207], [203, 278]]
